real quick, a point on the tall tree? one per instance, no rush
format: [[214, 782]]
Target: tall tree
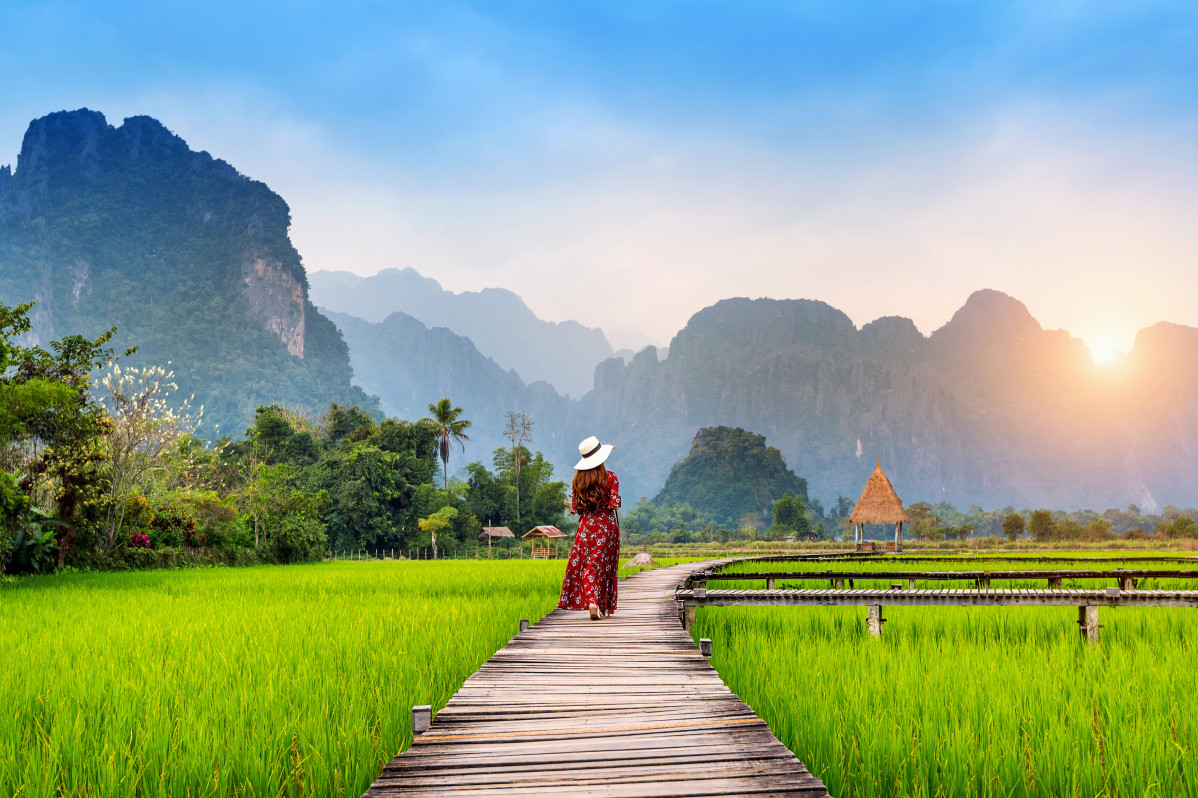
[[518, 432], [1042, 525], [1013, 526], [450, 428]]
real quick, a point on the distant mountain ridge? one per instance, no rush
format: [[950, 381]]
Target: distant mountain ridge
[[503, 328], [189, 259], [192, 261], [989, 409], [409, 366]]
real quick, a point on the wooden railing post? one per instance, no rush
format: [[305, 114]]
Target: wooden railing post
[[874, 620], [422, 718], [1087, 621], [523, 626], [769, 583], [705, 646]]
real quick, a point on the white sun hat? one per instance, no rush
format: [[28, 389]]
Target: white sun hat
[[593, 453]]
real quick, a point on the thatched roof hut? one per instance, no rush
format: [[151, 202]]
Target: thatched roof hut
[[492, 532], [879, 504]]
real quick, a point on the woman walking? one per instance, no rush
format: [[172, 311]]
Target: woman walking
[[593, 569]]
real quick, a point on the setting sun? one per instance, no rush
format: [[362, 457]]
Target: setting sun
[[1105, 353]]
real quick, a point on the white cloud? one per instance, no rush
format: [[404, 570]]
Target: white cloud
[[591, 217]]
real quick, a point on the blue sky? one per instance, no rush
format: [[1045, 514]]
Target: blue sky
[[626, 164]]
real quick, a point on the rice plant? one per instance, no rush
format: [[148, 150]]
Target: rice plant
[[970, 701], [291, 681]]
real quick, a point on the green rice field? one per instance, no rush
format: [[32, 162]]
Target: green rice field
[[293, 681], [297, 681], [958, 701]]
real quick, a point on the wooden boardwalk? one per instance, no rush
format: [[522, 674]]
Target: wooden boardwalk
[[986, 597], [626, 706]]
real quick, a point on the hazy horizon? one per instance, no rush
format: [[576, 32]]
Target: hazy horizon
[[627, 166]]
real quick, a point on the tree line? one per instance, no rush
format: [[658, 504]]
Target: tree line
[[100, 467]]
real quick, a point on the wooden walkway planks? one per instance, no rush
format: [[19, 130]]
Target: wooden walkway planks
[[621, 707]]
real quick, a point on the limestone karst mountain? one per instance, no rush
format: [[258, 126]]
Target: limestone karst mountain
[[503, 328], [189, 259], [990, 409]]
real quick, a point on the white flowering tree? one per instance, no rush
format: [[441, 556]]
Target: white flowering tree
[[144, 422]]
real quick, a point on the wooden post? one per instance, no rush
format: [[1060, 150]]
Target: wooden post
[[688, 616], [422, 718], [910, 584], [838, 584], [874, 620], [1127, 583], [898, 586], [1087, 621], [705, 646], [1054, 583], [769, 583], [523, 626]]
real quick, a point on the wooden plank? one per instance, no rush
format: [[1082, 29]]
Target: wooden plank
[[654, 719]]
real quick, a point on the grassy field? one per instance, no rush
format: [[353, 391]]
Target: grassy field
[[291, 681], [970, 701], [297, 681]]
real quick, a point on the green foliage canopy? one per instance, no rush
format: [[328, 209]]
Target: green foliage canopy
[[730, 472]]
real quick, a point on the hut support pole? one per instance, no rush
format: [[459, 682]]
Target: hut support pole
[[874, 620]]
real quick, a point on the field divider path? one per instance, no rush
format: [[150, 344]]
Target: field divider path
[[626, 706]]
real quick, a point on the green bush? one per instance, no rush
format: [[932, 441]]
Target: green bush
[[298, 538], [172, 527]]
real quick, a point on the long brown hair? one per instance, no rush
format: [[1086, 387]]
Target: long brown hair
[[590, 489]]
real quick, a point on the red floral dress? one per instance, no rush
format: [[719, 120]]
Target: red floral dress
[[594, 566]]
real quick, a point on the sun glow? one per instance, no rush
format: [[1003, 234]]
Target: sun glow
[[1105, 353]]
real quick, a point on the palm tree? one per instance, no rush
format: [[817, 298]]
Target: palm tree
[[449, 428]]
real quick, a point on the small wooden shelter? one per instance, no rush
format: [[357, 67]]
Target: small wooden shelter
[[542, 537], [879, 504], [492, 532]]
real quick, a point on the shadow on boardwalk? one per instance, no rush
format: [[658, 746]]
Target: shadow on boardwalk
[[621, 707]]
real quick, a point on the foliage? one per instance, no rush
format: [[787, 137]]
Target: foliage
[[1013, 526], [1042, 526], [1182, 526], [143, 424], [728, 473], [450, 428], [440, 521], [924, 523], [790, 515], [517, 431], [55, 428]]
